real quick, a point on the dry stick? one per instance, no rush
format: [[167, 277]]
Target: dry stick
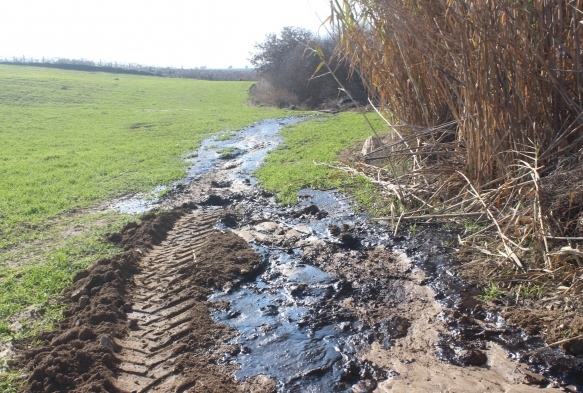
[[398, 222], [387, 185], [394, 129], [421, 200], [510, 253], [477, 233], [564, 238], [538, 209], [554, 345], [426, 131], [429, 216]]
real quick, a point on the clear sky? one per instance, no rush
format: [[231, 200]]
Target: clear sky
[[189, 33]]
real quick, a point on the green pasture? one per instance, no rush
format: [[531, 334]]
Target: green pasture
[[290, 167], [70, 139]]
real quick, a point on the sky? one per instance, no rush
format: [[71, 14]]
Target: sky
[[176, 33]]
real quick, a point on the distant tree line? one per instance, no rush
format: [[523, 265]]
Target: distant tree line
[[287, 65], [230, 74]]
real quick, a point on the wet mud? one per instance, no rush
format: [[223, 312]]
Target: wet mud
[[228, 291]]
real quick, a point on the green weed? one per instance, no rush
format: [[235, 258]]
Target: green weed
[[28, 289], [472, 226], [533, 291], [226, 150], [163, 193], [226, 136], [491, 292], [10, 382]]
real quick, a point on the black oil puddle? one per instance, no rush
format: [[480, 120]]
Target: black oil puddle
[[291, 321], [470, 326], [328, 216], [243, 152]]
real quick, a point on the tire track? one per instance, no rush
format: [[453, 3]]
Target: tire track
[[161, 310]]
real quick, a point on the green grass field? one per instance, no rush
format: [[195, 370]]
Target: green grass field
[[72, 139], [290, 167]]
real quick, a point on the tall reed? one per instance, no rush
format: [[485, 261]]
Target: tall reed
[[507, 72], [486, 98]]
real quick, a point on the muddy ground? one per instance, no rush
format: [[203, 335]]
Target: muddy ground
[[226, 291]]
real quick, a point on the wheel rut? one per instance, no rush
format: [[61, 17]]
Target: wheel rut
[[160, 310], [141, 321]]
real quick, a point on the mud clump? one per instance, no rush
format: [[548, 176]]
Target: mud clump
[[223, 259], [150, 232], [311, 210], [220, 184], [216, 200]]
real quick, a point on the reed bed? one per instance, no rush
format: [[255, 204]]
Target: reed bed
[[485, 100]]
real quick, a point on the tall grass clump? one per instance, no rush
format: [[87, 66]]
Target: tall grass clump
[[486, 101]]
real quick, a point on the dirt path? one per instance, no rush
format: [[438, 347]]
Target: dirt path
[[141, 323], [163, 304], [231, 292]]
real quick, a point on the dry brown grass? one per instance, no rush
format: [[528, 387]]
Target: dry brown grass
[[486, 101]]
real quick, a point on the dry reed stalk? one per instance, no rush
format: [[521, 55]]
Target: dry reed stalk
[[484, 99]]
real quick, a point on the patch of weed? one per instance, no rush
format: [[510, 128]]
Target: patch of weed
[[28, 288], [472, 226], [225, 136], [226, 150], [533, 291], [10, 382], [492, 292], [162, 193]]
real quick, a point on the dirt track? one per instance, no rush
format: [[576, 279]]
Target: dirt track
[[340, 305], [141, 322]]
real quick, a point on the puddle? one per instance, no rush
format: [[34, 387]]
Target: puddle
[[291, 324]]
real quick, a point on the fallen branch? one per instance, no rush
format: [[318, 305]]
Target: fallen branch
[[564, 238]]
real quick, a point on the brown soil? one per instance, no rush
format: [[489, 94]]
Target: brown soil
[[140, 321]]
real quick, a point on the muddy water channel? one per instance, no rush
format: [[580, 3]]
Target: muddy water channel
[[342, 305], [290, 318]]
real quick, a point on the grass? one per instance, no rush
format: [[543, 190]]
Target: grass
[[492, 292], [34, 274], [533, 291], [71, 138], [290, 167], [10, 382], [225, 136]]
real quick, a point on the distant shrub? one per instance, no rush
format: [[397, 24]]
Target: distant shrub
[[286, 65]]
